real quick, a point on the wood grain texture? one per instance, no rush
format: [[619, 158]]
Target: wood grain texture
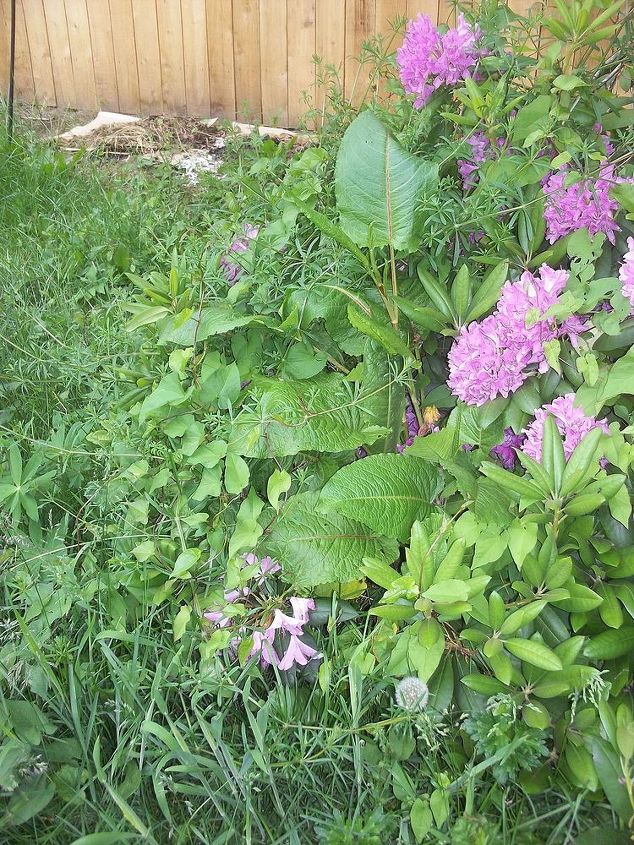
[[100, 22], [41, 65], [61, 59], [146, 37], [330, 44], [4, 51], [246, 58], [274, 62], [360, 26], [301, 28], [170, 29], [81, 54], [125, 55], [222, 84], [230, 58], [195, 56]]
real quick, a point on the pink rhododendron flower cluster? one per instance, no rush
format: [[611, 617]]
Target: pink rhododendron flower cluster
[[585, 204], [297, 651], [490, 358], [626, 273], [428, 60], [572, 422], [232, 270]]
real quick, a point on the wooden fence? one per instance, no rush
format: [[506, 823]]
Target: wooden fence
[[244, 59]]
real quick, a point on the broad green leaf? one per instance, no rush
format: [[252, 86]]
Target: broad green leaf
[[436, 291], [302, 361], [379, 572], [581, 465], [531, 117], [613, 382], [429, 319], [385, 492], [568, 82], [488, 293], [610, 644], [209, 454], [316, 548], [381, 332], [378, 185], [535, 653], [279, 482], [483, 684], [421, 819], [385, 402], [508, 481], [217, 317], [210, 483], [610, 772], [236, 474], [181, 621], [447, 591], [248, 530], [167, 393], [323, 414], [516, 620], [184, 562], [461, 291], [425, 650]]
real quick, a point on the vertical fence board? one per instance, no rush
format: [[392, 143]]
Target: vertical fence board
[[104, 68], [170, 28], [23, 64], [146, 37], [220, 35], [437, 10], [4, 53], [330, 43], [301, 27], [61, 58], [125, 55], [388, 14], [445, 11], [81, 54], [195, 57], [246, 57], [360, 25], [274, 62], [43, 83]]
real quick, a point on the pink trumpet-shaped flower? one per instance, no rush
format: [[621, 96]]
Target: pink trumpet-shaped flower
[[298, 652]]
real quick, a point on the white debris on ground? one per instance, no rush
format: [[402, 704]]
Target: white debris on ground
[[194, 163], [103, 118]]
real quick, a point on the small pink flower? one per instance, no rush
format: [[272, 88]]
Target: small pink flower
[[268, 566], [302, 608], [263, 645], [234, 595], [217, 617], [282, 622], [298, 653]]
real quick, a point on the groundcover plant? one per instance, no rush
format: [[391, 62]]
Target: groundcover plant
[[337, 546]]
